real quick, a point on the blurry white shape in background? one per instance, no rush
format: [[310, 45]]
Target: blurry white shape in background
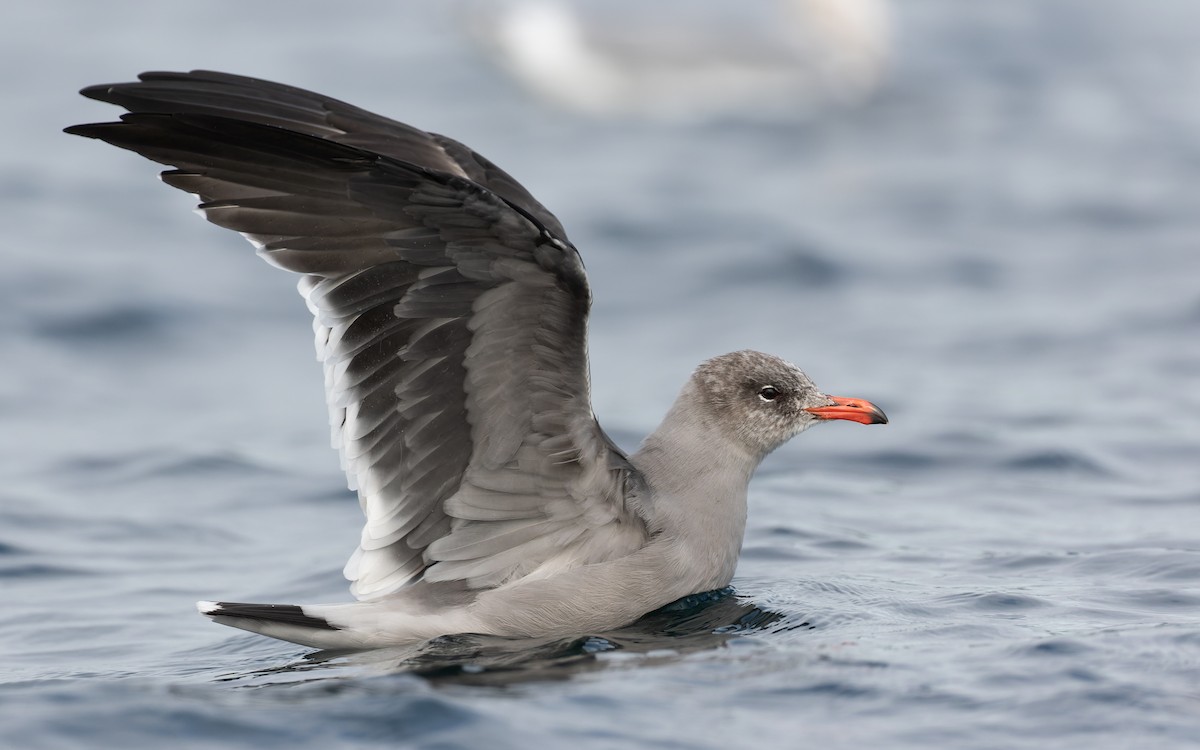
[[680, 59]]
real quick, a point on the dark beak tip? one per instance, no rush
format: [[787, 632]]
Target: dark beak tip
[[852, 410]]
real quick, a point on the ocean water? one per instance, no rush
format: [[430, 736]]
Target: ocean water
[[1001, 248]]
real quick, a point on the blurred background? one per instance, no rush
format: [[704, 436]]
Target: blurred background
[[981, 216]]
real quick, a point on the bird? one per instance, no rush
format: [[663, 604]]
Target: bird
[[450, 312], [777, 60]]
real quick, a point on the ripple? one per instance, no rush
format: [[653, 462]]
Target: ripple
[[142, 325], [829, 688], [773, 553], [995, 601], [844, 545], [1057, 461], [791, 625], [39, 570], [794, 267], [897, 460], [1159, 600], [976, 273], [1021, 561], [815, 270], [789, 543], [154, 464], [11, 549], [1142, 564], [839, 588], [790, 532], [1056, 647]]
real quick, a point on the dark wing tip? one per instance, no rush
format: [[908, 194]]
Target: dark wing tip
[[89, 130], [105, 92], [289, 614], [101, 92]]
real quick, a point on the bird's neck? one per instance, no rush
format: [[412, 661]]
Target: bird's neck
[[697, 479]]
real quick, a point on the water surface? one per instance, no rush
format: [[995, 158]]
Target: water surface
[[1001, 249]]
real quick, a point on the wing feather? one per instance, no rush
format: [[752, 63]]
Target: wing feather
[[449, 315]]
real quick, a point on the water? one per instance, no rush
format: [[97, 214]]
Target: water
[[1001, 249]]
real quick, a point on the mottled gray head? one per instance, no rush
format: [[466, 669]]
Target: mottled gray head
[[763, 401]]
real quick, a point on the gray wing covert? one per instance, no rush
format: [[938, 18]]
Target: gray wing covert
[[451, 324]]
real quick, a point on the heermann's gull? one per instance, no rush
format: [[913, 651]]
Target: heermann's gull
[[451, 315]]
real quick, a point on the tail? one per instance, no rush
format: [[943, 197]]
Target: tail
[[287, 622]]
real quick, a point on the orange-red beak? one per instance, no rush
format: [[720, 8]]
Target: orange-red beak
[[853, 409]]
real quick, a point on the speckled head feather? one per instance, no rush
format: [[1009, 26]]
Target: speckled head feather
[[760, 399]]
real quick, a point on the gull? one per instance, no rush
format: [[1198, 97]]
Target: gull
[[450, 312], [678, 62]]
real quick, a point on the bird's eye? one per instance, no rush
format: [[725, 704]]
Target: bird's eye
[[768, 393]]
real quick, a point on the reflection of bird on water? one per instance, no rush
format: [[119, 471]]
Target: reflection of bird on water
[[687, 60], [699, 622]]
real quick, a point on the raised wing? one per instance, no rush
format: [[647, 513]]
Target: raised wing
[[450, 315], [208, 92]]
